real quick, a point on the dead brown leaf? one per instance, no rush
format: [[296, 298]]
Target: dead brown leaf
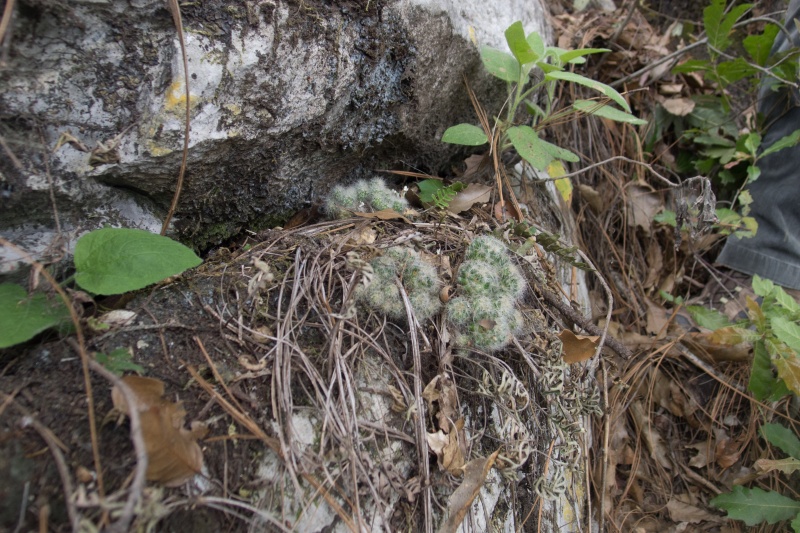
[[473, 194], [450, 448], [460, 501], [643, 204], [724, 344], [172, 450], [683, 512], [442, 391], [385, 214], [577, 348], [678, 106]]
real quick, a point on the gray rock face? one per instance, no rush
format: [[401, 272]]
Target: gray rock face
[[287, 99]]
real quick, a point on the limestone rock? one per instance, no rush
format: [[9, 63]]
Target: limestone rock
[[287, 99]]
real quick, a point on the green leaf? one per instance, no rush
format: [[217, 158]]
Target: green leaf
[[515, 37], [570, 55], [796, 524], [753, 173], [718, 28], [536, 43], [788, 332], [785, 301], [427, 188], [784, 142], [500, 64], [23, 316], [465, 134], [666, 217], [606, 111], [759, 46], [592, 84], [119, 361], [558, 152], [119, 260], [754, 506], [708, 318], [529, 146], [751, 142], [733, 71], [762, 286], [783, 438], [692, 65], [763, 383]]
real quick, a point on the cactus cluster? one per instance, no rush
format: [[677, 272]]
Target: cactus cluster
[[485, 314], [365, 196], [419, 279]]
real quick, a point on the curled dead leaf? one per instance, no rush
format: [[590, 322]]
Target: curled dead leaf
[[475, 193], [172, 450], [460, 501], [577, 348]]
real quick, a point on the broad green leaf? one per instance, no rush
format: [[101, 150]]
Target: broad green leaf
[[570, 55], [119, 260], [515, 37], [788, 332], [708, 318], [754, 506], [796, 524], [751, 142], [465, 134], [786, 301], [607, 111], [427, 188], [119, 361], [759, 46], [718, 28], [762, 286], [762, 383], [559, 153], [500, 64], [784, 142], [23, 316], [592, 84], [536, 43], [783, 438], [666, 217], [733, 71], [753, 173], [529, 146]]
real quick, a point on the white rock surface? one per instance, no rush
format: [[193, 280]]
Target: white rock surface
[[286, 100]]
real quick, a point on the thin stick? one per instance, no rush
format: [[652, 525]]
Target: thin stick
[[176, 17]]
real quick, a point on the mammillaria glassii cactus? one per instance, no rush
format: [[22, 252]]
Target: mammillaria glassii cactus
[[418, 277], [363, 196], [485, 315]]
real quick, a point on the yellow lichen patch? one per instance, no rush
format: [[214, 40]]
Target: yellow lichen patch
[[233, 108], [176, 98], [157, 151]]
